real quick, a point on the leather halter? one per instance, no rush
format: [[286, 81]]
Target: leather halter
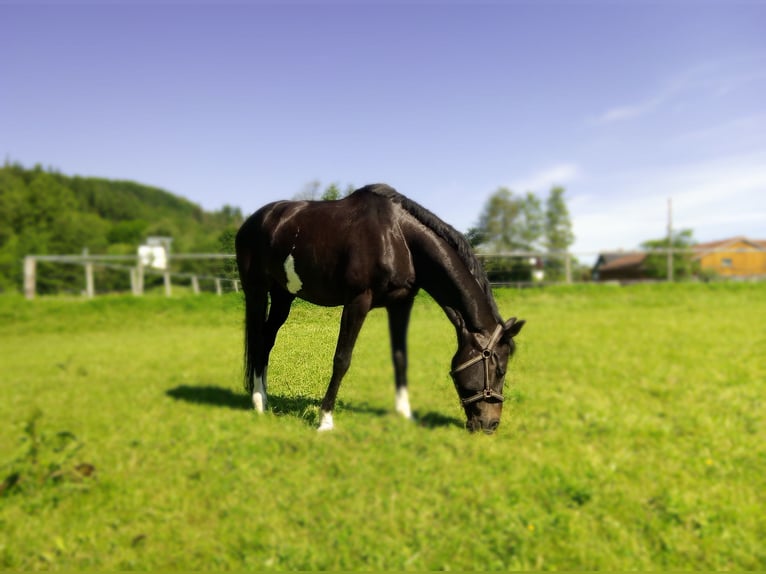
[[486, 354]]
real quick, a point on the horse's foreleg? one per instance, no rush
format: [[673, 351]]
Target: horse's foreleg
[[351, 322], [398, 319]]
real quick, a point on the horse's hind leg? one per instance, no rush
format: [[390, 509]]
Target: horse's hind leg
[[260, 337], [279, 309], [256, 304], [351, 322], [398, 319]]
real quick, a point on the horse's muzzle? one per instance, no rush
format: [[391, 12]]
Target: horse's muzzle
[[487, 427]]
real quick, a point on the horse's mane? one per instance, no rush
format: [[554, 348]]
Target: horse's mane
[[452, 236]]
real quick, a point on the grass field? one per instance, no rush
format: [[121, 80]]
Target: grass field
[[632, 438]]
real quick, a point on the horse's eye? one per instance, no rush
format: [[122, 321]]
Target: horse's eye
[[500, 373]]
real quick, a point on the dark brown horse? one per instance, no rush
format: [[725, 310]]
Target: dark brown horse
[[374, 248]]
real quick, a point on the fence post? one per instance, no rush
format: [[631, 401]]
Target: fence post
[[89, 289], [195, 284], [670, 264], [168, 288], [218, 290], [30, 277], [140, 279], [134, 280], [568, 268]]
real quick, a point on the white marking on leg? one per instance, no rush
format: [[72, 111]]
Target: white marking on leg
[[326, 423], [294, 282], [403, 402], [259, 392]]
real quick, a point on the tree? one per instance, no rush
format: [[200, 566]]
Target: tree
[[45, 212], [331, 193], [531, 222], [508, 223], [656, 264], [558, 225], [558, 232], [310, 191]]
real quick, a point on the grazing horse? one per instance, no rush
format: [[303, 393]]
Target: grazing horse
[[373, 248]]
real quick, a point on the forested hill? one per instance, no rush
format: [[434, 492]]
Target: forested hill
[[45, 212]]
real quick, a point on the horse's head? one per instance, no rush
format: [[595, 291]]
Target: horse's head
[[478, 370]]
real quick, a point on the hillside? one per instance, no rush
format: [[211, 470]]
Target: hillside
[[45, 212]]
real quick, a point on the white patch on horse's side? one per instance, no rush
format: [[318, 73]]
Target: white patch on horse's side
[[326, 422], [294, 282], [403, 402], [259, 392]]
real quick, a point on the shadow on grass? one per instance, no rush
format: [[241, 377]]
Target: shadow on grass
[[435, 420], [300, 407], [211, 395]]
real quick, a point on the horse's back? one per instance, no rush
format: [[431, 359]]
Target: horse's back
[[326, 251]]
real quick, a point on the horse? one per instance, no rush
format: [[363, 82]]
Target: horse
[[374, 248]]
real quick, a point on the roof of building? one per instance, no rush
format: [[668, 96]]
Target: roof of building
[[620, 260], [723, 243]]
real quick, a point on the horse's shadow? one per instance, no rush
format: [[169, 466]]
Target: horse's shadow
[[300, 407]]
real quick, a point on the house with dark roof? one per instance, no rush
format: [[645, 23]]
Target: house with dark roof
[[620, 266], [733, 257]]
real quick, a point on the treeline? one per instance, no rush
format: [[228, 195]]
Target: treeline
[[44, 212]]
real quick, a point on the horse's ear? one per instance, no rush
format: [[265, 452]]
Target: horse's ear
[[512, 327]]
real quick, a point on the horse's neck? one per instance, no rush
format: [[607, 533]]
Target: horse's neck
[[446, 278]]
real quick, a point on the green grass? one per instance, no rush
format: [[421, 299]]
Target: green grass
[[633, 438]]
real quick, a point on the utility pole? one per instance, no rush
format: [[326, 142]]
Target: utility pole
[[670, 239]]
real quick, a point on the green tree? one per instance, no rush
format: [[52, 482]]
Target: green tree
[[508, 223], [558, 232], [45, 212], [656, 264], [310, 191], [531, 221], [331, 193], [558, 225]]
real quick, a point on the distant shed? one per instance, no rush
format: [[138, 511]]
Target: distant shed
[[619, 266]]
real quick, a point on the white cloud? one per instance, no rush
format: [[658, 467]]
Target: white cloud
[[631, 111], [716, 199], [542, 181], [710, 79]]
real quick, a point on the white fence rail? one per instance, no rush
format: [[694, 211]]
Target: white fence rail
[[132, 265]]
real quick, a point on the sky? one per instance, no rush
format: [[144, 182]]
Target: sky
[[626, 104]]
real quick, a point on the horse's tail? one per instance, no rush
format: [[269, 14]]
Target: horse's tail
[[252, 309]]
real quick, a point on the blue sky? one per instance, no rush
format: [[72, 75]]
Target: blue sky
[[625, 104]]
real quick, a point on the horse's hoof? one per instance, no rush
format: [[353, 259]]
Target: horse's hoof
[[326, 424], [259, 402]]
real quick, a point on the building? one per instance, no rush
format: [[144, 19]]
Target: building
[[734, 257], [619, 266]]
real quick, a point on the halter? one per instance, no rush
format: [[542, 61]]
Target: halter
[[486, 353]]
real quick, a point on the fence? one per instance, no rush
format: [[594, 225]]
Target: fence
[[527, 264], [131, 265]]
